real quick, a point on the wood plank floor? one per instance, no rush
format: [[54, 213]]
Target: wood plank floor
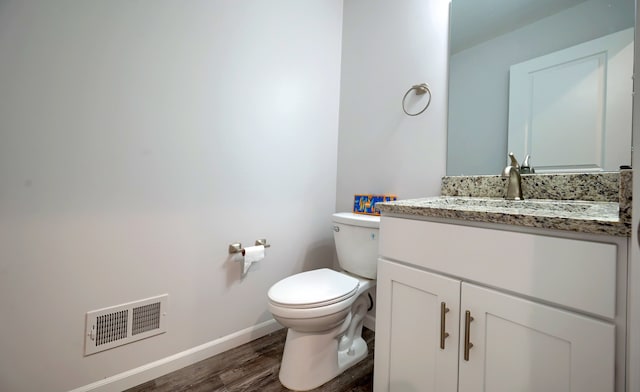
[[254, 367]]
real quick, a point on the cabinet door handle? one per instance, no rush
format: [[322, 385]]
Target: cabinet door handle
[[443, 334], [467, 332]]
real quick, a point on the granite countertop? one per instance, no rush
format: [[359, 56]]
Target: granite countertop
[[604, 208]]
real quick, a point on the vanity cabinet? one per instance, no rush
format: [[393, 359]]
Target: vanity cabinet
[[474, 309]]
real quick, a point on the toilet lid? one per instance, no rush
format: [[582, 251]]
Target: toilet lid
[[313, 288]]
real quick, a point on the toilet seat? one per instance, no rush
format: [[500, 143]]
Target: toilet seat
[[313, 289]]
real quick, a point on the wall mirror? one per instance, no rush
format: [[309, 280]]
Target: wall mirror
[[549, 78]]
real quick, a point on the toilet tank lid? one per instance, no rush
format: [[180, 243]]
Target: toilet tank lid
[[317, 287], [349, 218]]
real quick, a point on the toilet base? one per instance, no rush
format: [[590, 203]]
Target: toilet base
[[310, 360], [347, 358]]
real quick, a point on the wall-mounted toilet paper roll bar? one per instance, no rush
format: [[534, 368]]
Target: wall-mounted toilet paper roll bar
[[236, 247]]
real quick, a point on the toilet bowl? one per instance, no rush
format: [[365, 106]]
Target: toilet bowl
[[324, 309]]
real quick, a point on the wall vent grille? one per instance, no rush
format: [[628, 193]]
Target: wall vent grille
[[121, 324], [146, 318], [111, 327]]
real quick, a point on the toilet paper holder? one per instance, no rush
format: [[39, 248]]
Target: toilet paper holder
[[236, 247]]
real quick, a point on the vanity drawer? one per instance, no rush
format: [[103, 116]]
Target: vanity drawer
[[574, 273]]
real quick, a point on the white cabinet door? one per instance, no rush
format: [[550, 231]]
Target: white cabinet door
[[519, 345], [408, 353]]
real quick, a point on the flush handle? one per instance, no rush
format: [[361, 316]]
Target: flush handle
[[443, 334], [336, 228], [467, 332]]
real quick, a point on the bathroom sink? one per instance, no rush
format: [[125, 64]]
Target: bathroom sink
[[573, 209]]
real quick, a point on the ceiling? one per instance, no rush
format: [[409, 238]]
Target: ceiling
[[475, 21]]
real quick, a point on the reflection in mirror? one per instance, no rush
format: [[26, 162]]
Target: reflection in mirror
[[490, 37]]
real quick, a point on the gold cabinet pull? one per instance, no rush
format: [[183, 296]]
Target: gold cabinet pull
[[467, 331], [443, 334]]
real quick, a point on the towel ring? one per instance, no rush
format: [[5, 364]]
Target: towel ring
[[420, 89]]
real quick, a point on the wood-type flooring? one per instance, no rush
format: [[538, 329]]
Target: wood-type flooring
[[254, 367]]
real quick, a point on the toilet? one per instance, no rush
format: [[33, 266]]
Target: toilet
[[324, 309]]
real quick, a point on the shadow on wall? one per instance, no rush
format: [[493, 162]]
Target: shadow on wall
[[319, 254]]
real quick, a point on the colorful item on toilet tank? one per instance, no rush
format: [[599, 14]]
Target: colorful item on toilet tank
[[365, 203]]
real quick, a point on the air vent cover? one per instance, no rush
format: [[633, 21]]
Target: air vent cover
[[121, 324]]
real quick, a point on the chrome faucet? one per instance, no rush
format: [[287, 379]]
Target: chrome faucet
[[514, 181]]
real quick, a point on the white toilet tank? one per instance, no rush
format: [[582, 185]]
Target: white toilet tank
[[356, 238]]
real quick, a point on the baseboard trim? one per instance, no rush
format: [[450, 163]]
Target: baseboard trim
[[142, 374]]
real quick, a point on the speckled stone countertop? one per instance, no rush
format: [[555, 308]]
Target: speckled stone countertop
[[597, 203]]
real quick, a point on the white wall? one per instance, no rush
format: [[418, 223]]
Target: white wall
[[479, 84], [139, 139], [388, 46]]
